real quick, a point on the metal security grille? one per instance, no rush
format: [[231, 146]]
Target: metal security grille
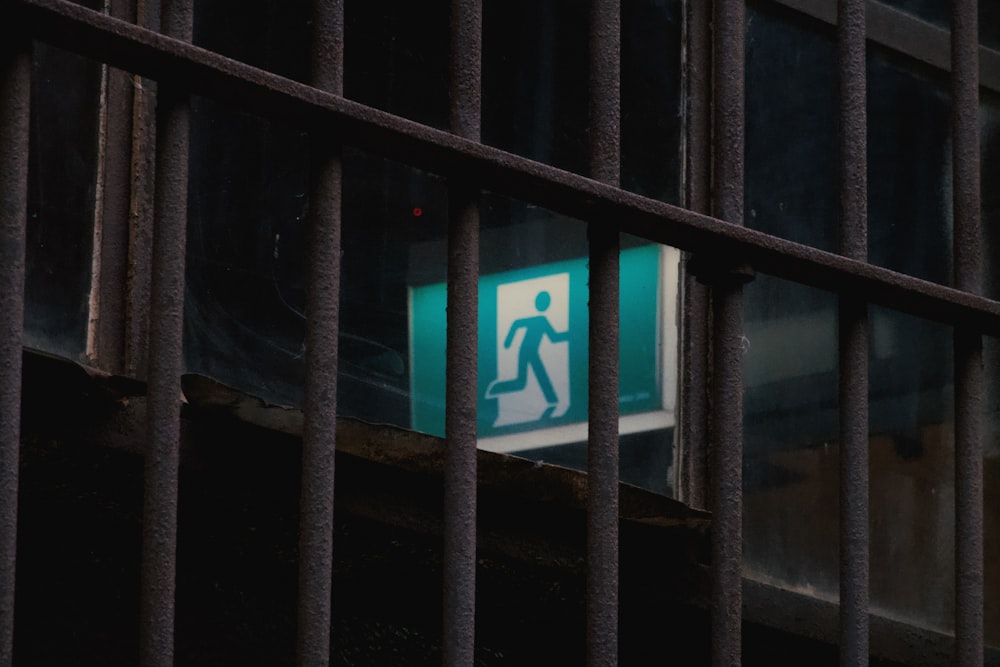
[[724, 249]]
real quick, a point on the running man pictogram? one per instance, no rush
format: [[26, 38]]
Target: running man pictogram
[[536, 329]]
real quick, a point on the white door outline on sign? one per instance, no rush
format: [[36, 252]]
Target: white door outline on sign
[[532, 345]]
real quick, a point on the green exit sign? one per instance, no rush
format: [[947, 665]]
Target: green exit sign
[[533, 348]]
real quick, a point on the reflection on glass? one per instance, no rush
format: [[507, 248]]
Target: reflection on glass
[[791, 524], [912, 470], [62, 167]]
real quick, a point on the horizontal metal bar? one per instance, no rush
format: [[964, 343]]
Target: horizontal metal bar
[[129, 47]]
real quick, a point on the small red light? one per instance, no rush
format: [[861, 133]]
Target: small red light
[[417, 212]]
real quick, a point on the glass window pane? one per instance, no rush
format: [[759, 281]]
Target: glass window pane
[[245, 307], [270, 34], [791, 515], [535, 88], [792, 175], [791, 128], [65, 93]]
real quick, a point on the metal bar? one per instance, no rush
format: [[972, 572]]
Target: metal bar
[[854, 531], [692, 420], [853, 339], [15, 100], [602, 432], [322, 333], [159, 534], [726, 428], [461, 369], [121, 44], [968, 343]]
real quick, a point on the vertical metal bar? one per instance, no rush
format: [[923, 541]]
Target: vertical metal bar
[[692, 421], [322, 333], [159, 557], [726, 396], [461, 400], [968, 343], [15, 101], [602, 439], [853, 337]]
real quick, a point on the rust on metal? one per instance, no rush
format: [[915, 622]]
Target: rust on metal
[[602, 434], [71, 26], [853, 339], [461, 368], [726, 390], [691, 453], [159, 543], [15, 100], [969, 578], [322, 332]]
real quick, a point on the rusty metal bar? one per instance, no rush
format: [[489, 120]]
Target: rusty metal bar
[[692, 418], [602, 433], [159, 530], [726, 428], [853, 339], [15, 101], [461, 369], [322, 333], [968, 343], [84, 31]]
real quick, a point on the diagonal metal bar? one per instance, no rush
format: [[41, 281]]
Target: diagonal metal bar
[[602, 430], [316, 503], [853, 339], [969, 579], [15, 100], [159, 527], [461, 369], [126, 46]]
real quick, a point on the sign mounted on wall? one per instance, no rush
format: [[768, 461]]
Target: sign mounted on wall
[[533, 347]]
